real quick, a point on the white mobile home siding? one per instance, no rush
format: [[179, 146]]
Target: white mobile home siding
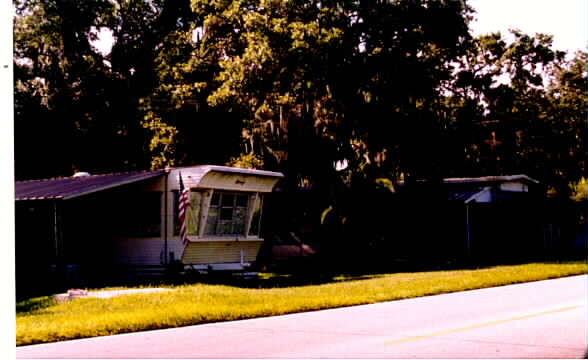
[[200, 249], [514, 186], [139, 251], [204, 252]]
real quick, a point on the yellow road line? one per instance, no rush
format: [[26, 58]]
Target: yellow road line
[[477, 326]]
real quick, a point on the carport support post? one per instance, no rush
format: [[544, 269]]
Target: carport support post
[[56, 234], [468, 231], [58, 242], [165, 220]]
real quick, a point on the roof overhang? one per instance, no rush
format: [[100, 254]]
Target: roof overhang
[[254, 172], [226, 178], [491, 179], [73, 187]]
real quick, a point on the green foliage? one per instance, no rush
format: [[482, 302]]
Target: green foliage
[[60, 86], [74, 106], [567, 120], [579, 190], [396, 88], [517, 107], [279, 65], [326, 213], [246, 161], [385, 184], [196, 304]]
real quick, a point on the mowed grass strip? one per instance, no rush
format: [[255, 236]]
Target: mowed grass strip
[[46, 321]]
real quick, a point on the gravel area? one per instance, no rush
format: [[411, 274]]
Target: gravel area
[[79, 293]]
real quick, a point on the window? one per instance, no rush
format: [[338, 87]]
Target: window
[[254, 229], [227, 214]]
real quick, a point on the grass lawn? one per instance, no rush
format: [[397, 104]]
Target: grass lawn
[[41, 320]]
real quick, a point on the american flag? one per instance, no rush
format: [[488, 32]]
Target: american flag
[[183, 208]]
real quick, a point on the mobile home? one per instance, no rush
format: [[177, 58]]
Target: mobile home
[[101, 222]]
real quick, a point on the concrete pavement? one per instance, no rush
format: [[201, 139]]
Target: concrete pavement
[[533, 320]]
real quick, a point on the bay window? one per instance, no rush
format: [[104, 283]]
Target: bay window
[[222, 213], [227, 214]]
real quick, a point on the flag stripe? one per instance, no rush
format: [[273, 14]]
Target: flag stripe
[[183, 209]]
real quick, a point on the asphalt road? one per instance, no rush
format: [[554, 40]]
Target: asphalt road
[[546, 319]]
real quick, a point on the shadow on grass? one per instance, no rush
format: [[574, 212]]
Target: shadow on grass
[[291, 276], [281, 280], [305, 276], [34, 304], [309, 275]]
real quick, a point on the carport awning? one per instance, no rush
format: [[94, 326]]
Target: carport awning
[[462, 196], [71, 187]]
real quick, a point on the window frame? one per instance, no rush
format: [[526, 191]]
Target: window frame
[[253, 202], [221, 211]]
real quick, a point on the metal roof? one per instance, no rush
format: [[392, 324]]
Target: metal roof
[[71, 187], [488, 179], [227, 169], [481, 181]]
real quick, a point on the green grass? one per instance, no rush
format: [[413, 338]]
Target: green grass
[[41, 320]]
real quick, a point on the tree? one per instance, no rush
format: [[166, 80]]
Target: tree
[[316, 82], [62, 90], [506, 92], [567, 119], [76, 107], [149, 36]]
